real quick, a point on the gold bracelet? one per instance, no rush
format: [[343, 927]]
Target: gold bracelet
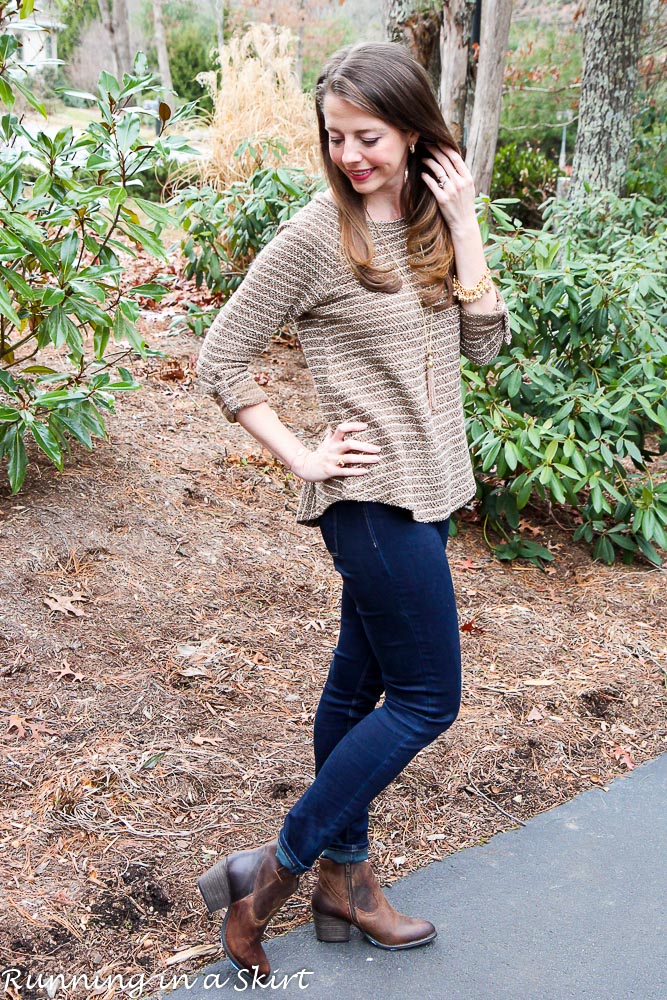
[[476, 292]]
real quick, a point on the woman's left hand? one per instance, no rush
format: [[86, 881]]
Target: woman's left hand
[[456, 198]]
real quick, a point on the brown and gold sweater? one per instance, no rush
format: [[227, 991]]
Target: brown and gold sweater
[[366, 353]]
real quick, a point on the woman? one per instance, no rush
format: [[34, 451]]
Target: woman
[[368, 272]]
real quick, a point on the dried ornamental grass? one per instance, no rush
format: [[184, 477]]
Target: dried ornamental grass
[[258, 99]]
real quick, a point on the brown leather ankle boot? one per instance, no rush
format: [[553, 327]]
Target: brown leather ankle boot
[[253, 885], [350, 894]]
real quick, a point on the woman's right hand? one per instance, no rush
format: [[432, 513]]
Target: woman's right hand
[[334, 449]]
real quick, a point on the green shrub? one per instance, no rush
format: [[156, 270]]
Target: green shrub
[[60, 272], [647, 165], [190, 46], [569, 412], [225, 230], [523, 172]]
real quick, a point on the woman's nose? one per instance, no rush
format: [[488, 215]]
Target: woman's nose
[[350, 154]]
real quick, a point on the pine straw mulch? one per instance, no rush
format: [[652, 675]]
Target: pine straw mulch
[[166, 631]]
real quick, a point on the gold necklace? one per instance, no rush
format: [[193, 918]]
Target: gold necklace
[[428, 333]]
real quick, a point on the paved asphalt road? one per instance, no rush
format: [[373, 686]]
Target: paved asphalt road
[[570, 907]]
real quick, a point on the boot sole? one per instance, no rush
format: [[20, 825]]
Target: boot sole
[[336, 930], [400, 947]]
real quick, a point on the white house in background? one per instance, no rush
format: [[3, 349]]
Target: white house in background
[[38, 40]]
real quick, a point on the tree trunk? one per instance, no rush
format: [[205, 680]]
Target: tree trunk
[[456, 62], [416, 24], [481, 149], [122, 29], [604, 134], [161, 47], [298, 60], [108, 22], [219, 14]]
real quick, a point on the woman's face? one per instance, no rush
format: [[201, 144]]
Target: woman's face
[[371, 153]]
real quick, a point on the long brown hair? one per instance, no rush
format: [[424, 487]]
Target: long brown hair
[[384, 79]]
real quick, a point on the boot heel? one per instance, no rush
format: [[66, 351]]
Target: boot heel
[[214, 887], [330, 928]]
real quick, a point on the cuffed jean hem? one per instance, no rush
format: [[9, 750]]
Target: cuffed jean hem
[[288, 859], [342, 857]]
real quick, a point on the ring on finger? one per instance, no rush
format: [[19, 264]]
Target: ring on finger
[[442, 181], [341, 461]]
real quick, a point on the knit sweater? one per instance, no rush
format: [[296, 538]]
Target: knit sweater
[[366, 354]]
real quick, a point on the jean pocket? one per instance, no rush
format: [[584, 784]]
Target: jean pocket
[[328, 523], [369, 525]]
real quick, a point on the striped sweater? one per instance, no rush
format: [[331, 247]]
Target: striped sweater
[[366, 353]]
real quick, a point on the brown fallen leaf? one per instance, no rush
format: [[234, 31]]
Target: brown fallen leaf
[[534, 715], [17, 723], [66, 672], [467, 565], [193, 672], [197, 951], [624, 756], [38, 729], [64, 602], [316, 624], [471, 627], [524, 525], [538, 681]]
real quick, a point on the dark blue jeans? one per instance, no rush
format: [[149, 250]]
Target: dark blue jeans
[[399, 635]]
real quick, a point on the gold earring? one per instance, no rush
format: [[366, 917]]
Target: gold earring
[[412, 147]]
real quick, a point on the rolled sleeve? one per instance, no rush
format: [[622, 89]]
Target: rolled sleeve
[[281, 284], [483, 334]]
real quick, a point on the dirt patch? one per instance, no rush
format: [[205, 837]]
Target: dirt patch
[[157, 712]]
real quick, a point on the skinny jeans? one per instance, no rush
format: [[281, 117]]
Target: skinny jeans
[[399, 636]]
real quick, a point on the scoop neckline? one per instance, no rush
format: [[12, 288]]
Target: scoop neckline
[[391, 222]]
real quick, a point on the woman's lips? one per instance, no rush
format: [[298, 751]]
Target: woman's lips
[[360, 175]]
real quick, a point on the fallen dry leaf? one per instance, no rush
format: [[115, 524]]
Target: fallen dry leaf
[[467, 565], [193, 672], [538, 681], [17, 723], [64, 602], [524, 525], [624, 756], [534, 715], [317, 624], [197, 951]]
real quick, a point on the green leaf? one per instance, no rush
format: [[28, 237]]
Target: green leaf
[[6, 306], [523, 496], [550, 451], [511, 455], [18, 459], [47, 443], [6, 94], [649, 551], [69, 249], [72, 423], [532, 550], [514, 384], [29, 96], [604, 550], [648, 524], [491, 456], [156, 212]]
